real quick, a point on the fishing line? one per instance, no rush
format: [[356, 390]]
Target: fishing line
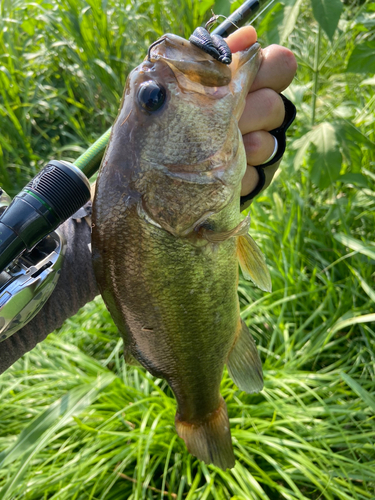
[[237, 19], [214, 19], [263, 10], [240, 17]]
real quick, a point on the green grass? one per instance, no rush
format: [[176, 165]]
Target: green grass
[[63, 68], [75, 421]]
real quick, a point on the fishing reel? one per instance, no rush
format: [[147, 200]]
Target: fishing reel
[[31, 246]]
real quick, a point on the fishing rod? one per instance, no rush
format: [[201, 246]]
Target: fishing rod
[[31, 247]]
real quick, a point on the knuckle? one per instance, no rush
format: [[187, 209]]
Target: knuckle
[[253, 143], [272, 103], [285, 58], [289, 61]]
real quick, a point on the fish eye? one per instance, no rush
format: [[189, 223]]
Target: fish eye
[[151, 96]]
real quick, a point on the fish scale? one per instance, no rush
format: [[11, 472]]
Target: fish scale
[[168, 231]]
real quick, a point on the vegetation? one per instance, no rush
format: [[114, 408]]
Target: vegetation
[[75, 421]]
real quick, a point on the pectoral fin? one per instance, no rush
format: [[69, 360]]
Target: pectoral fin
[[252, 263], [243, 363]]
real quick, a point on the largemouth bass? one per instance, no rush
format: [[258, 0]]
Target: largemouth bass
[[168, 235]]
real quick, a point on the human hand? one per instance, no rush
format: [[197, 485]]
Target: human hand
[[264, 110]]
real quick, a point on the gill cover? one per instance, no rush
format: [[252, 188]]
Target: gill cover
[[184, 156]]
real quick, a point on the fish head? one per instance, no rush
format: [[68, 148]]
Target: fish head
[[175, 145]]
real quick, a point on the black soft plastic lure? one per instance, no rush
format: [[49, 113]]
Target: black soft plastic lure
[[215, 45]]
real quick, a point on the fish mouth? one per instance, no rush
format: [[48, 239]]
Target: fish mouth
[[175, 40], [194, 69], [161, 40]]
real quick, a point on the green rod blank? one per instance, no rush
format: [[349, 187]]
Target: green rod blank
[[89, 161]]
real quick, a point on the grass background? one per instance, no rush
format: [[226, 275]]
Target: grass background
[[75, 421]]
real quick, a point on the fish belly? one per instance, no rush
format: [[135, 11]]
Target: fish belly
[[176, 306], [180, 306]]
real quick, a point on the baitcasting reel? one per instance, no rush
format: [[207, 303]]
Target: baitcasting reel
[[31, 250], [28, 282]]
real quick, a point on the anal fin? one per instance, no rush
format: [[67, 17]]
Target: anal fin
[[252, 263], [243, 363]]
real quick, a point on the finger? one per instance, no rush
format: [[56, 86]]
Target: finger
[[249, 181], [242, 39], [264, 110], [259, 146], [277, 69]]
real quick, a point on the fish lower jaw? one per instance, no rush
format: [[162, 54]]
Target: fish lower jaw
[[206, 172], [192, 176]]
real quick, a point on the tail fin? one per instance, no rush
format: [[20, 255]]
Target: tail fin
[[209, 440]]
